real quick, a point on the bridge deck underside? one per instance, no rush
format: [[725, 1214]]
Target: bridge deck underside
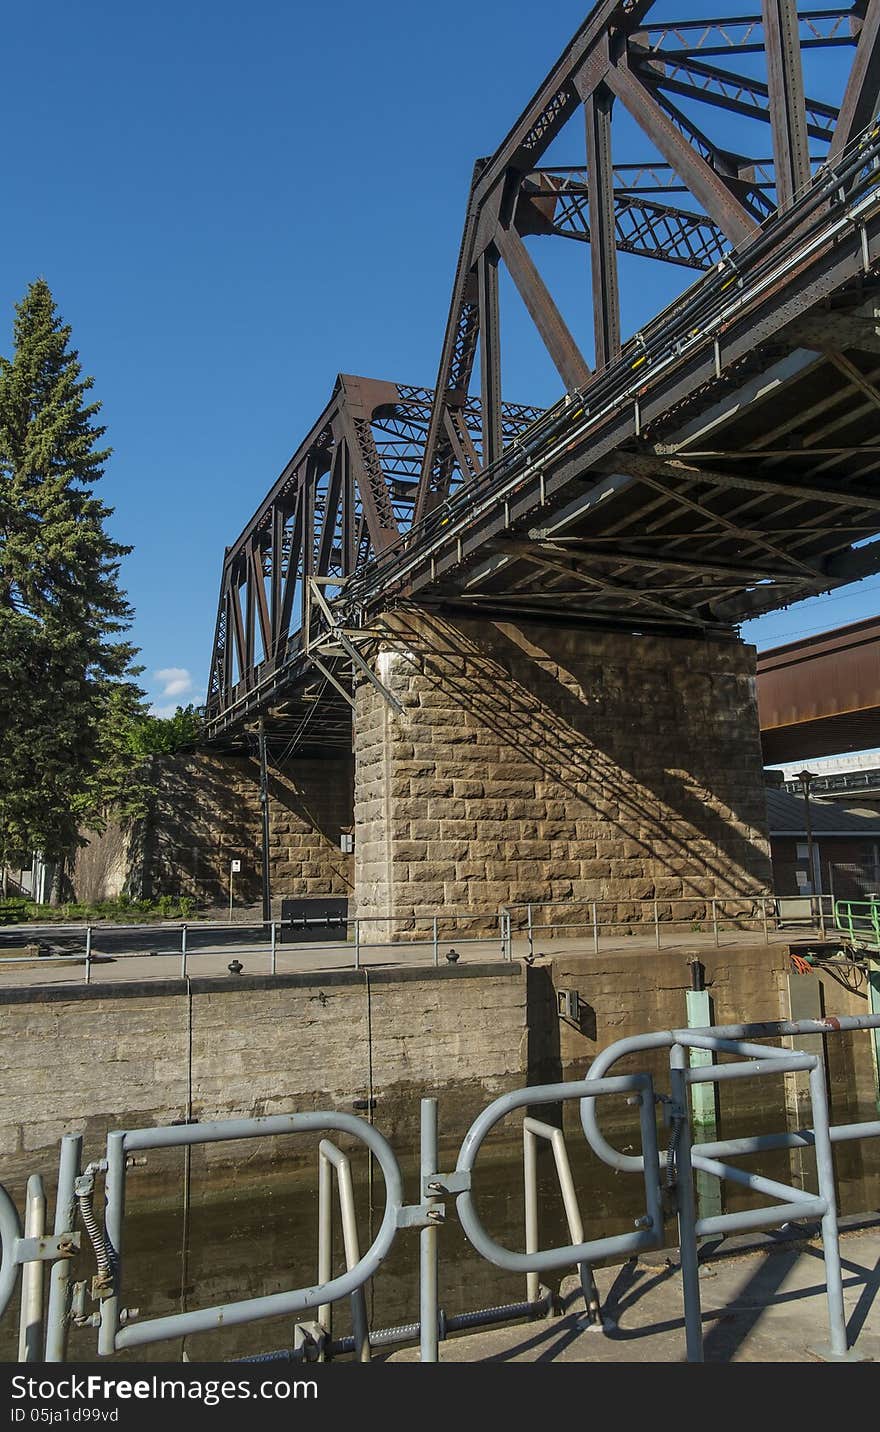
[[824, 736], [758, 490], [754, 502]]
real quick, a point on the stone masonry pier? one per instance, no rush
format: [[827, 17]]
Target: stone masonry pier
[[539, 763]]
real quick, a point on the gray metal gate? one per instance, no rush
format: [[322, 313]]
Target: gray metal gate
[[44, 1332]]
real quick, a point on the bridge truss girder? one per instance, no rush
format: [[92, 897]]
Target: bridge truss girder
[[677, 513], [622, 58], [345, 497]]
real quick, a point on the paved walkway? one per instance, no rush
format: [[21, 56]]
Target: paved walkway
[[210, 952], [757, 1307]]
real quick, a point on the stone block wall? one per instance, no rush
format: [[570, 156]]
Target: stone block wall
[[207, 813], [537, 763]]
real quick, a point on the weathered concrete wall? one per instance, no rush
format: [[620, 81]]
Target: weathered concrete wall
[[88, 1059], [535, 763], [207, 812]]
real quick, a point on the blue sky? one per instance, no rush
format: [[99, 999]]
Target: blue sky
[[234, 203]]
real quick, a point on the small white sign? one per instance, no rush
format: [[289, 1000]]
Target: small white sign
[[235, 867]]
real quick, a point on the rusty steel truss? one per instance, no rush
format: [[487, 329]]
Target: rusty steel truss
[[721, 463]]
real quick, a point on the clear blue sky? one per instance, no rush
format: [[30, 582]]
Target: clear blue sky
[[232, 203]]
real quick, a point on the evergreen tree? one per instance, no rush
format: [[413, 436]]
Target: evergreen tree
[[61, 608]]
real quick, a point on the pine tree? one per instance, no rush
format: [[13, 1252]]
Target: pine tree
[[62, 611]]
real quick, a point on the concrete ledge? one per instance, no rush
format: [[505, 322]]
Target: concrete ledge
[[228, 984]]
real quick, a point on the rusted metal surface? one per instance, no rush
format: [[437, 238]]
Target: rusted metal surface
[[720, 464], [821, 695]]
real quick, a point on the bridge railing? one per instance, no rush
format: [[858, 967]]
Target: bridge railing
[[667, 1177], [175, 949]]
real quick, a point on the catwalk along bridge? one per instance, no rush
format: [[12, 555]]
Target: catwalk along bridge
[[720, 463]]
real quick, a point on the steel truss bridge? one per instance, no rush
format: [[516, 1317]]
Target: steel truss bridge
[[719, 464]]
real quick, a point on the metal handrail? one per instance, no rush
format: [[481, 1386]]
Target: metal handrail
[[736, 1040], [649, 1230], [10, 1232], [860, 922], [332, 1160], [118, 1331], [116, 1335], [447, 925]]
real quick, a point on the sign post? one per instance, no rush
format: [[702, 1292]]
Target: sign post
[[234, 869]]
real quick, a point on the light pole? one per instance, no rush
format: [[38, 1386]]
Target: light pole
[[264, 811]]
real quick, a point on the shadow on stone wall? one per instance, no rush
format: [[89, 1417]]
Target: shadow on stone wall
[[621, 772], [206, 813]]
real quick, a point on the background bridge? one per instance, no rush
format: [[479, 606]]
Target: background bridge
[[821, 695]]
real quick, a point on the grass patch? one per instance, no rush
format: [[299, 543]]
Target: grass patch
[[122, 909]]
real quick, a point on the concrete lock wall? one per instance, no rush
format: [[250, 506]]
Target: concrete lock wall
[[537, 763], [92, 1058], [89, 1059]]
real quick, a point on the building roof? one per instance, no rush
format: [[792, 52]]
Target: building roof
[[786, 816]]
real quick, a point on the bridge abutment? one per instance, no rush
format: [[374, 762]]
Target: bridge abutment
[[206, 812], [554, 763]]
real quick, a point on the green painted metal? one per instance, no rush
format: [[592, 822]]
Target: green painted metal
[[874, 1006], [859, 920], [704, 1103]]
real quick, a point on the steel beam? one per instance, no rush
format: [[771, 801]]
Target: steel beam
[[567, 358], [603, 251], [861, 98], [736, 93], [703, 182], [827, 493], [791, 149], [490, 355]]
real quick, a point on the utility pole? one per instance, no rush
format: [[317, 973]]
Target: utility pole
[[806, 778], [264, 805]]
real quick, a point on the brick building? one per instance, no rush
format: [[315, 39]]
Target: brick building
[[846, 846]]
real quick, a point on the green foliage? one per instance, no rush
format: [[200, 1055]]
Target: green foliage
[[162, 735], [65, 673], [118, 780], [122, 909]]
